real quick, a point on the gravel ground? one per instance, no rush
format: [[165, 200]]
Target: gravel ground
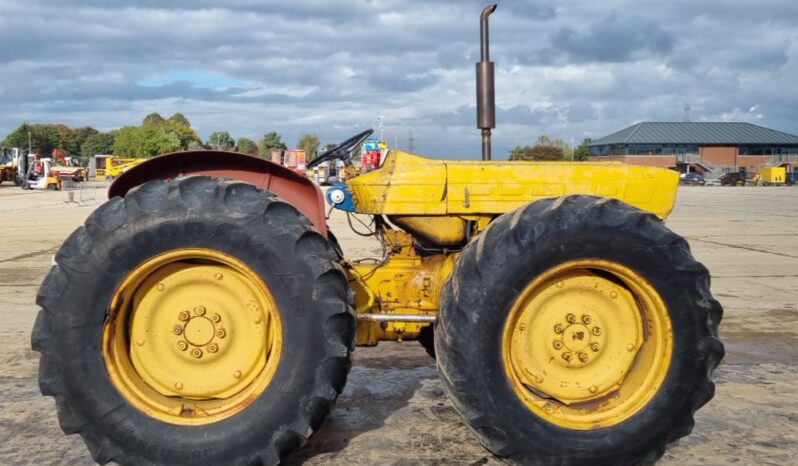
[[393, 410]]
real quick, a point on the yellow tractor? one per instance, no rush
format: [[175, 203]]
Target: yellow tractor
[[206, 315]]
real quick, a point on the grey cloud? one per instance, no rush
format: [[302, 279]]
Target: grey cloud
[[614, 39]]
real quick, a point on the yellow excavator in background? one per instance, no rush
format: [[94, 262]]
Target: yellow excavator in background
[[115, 166]]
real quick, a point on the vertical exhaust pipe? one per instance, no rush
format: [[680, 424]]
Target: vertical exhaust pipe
[[486, 95]]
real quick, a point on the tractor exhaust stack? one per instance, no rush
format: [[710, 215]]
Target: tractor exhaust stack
[[486, 96]]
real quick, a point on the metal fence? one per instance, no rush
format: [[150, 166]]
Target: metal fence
[[82, 193]]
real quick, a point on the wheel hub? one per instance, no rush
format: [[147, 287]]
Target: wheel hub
[[579, 341], [572, 337], [200, 331]]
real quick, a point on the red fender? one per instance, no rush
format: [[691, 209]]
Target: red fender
[[284, 182]]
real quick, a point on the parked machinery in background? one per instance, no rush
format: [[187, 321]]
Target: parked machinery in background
[[293, 159], [9, 161], [115, 166], [66, 167], [371, 155], [40, 174], [775, 176]]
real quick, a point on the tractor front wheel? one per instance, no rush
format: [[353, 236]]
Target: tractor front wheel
[[578, 331], [195, 321]]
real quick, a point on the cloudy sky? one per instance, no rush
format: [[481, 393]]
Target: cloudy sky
[[571, 68]]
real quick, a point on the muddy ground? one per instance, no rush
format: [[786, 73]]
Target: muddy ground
[[393, 410]]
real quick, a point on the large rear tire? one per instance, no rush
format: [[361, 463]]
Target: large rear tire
[[578, 331], [195, 321]]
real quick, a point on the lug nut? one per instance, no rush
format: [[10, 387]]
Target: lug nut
[[160, 287], [184, 315], [630, 347], [221, 333], [557, 344], [559, 328], [213, 347], [570, 318], [613, 294], [566, 356], [196, 352], [596, 331], [182, 345], [586, 319], [216, 318], [218, 276], [179, 386], [593, 389], [178, 330], [583, 357], [199, 310], [594, 347], [237, 374]]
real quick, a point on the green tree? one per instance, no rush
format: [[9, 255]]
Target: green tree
[[221, 140], [247, 146], [537, 152], [179, 119], [99, 143], [155, 136], [64, 134], [185, 134], [310, 144], [43, 138], [153, 118], [545, 140], [78, 137], [582, 151], [270, 141], [145, 141], [195, 145], [521, 153]]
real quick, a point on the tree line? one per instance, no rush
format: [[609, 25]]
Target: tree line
[[546, 148], [156, 135]]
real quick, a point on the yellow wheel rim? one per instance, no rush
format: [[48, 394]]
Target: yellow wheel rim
[[587, 344], [192, 337]]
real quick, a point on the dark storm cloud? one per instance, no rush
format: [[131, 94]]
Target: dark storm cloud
[[568, 68]]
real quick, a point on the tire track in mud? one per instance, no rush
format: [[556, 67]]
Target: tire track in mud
[[739, 246], [29, 255]]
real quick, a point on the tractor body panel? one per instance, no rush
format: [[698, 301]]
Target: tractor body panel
[[292, 187], [442, 205], [407, 184]]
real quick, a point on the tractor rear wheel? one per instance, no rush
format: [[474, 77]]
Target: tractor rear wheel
[[578, 331], [195, 321]]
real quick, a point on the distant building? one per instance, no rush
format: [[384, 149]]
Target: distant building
[[716, 147]]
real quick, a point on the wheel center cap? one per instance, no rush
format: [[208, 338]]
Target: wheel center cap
[[199, 331], [576, 337]]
